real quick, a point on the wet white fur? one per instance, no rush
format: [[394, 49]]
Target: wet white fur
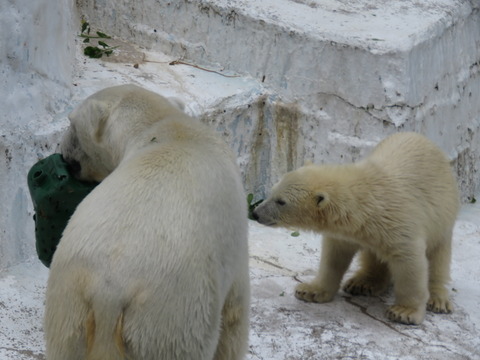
[[154, 262], [398, 206]]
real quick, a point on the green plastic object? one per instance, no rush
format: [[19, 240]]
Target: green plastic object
[[55, 194]]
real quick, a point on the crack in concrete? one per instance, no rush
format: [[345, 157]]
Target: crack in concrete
[[369, 107], [364, 311], [258, 258]]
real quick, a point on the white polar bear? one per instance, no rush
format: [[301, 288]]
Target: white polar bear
[[398, 206], [153, 263]]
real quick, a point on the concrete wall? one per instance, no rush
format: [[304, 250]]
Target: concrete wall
[[328, 80], [36, 66], [349, 73]]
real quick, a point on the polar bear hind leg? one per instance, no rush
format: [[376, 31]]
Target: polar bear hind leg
[[65, 320], [335, 259], [233, 340], [439, 275], [371, 279]]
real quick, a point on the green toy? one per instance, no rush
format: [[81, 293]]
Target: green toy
[[55, 195]]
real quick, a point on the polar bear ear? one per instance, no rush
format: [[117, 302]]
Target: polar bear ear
[[321, 198], [93, 114]]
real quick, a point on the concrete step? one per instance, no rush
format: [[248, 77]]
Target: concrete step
[[332, 70], [283, 80]]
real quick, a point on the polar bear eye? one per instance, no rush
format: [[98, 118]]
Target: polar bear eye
[[320, 199], [280, 202]]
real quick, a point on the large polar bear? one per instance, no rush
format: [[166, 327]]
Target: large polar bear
[[398, 206], [153, 264]]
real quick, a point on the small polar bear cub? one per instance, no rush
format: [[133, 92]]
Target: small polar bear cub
[[154, 262], [398, 207]]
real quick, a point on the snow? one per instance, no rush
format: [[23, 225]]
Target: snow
[[283, 327]]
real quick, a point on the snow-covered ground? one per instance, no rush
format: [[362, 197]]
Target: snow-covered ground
[[283, 327]]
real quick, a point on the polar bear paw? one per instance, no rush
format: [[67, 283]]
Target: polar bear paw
[[406, 314], [313, 293], [363, 286], [439, 305]]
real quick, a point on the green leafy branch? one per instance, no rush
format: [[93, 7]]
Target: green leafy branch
[[103, 48], [252, 205]]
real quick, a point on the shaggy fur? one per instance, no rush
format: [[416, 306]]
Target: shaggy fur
[[153, 264], [398, 206]]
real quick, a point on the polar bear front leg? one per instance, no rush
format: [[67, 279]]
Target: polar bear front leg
[[335, 258], [410, 280]]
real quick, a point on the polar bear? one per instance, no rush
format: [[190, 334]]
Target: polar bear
[[153, 263], [398, 206]]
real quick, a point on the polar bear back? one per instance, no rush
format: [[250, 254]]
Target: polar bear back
[[181, 184], [416, 163], [417, 176], [412, 153]]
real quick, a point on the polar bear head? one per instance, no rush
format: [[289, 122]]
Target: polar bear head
[[107, 123], [311, 197]]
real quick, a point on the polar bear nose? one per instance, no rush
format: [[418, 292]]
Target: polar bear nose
[[255, 215]]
